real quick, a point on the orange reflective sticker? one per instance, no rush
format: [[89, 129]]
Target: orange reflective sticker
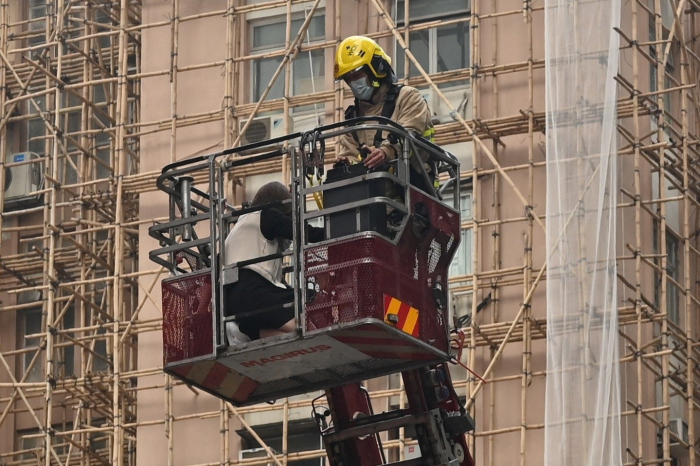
[[401, 315]]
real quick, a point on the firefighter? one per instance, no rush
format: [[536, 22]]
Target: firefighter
[[261, 285], [366, 69]]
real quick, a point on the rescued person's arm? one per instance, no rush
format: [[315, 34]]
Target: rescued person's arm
[[276, 224]]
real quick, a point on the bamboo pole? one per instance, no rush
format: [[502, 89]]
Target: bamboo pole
[[229, 89], [286, 94], [660, 73], [169, 419], [387, 19], [174, 33], [475, 54], [686, 233], [638, 242], [120, 165], [529, 240], [225, 434], [4, 20], [290, 54], [252, 432], [496, 239], [81, 264], [339, 109], [52, 273]]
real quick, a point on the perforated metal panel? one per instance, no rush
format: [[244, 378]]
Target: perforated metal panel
[[336, 376], [257, 131], [354, 275], [187, 317], [191, 259], [253, 374], [279, 386]]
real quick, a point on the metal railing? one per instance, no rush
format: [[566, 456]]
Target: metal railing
[[200, 219]]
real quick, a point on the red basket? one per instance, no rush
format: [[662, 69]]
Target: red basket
[[358, 276], [188, 330]]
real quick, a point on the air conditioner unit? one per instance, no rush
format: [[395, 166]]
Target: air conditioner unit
[[459, 97], [255, 453], [22, 180], [261, 129], [679, 428]]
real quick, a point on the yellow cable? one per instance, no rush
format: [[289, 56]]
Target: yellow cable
[[318, 197]]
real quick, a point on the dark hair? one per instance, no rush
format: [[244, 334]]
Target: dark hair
[[272, 192]]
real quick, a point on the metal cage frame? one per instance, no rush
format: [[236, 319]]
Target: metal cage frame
[[179, 238]]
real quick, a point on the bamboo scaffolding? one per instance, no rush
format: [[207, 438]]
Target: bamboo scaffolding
[[88, 224]]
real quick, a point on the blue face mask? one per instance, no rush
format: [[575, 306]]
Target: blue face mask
[[361, 88]]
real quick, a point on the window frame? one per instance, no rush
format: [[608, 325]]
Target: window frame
[[37, 22], [254, 50], [432, 17], [66, 356], [433, 62], [300, 432], [26, 437], [673, 271], [37, 372], [466, 203], [64, 366], [36, 132]]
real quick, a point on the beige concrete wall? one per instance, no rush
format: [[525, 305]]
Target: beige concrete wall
[[501, 405], [196, 441]]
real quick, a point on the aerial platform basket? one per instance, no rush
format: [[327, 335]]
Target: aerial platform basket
[[289, 366], [369, 302]]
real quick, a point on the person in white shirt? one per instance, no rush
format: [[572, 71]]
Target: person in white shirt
[[261, 286]]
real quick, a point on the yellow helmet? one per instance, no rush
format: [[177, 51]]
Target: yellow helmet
[[358, 51]]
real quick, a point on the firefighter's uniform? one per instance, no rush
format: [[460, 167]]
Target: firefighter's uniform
[[411, 112], [364, 66]]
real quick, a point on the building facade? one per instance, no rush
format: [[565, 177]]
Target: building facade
[[100, 95]]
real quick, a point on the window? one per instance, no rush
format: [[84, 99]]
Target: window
[[461, 301], [672, 292], [308, 68], [668, 84], [100, 340], [36, 127], [65, 356], [100, 364], [666, 16], [29, 320], [37, 18], [673, 271], [667, 23], [303, 436], [30, 323], [462, 262], [440, 48], [70, 123], [102, 141], [31, 442], [64, 353]]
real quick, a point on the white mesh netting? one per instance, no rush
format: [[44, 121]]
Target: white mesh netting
[[582, 419]]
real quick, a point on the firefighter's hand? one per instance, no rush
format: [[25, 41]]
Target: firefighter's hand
[[376, 158], [341, 162]]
